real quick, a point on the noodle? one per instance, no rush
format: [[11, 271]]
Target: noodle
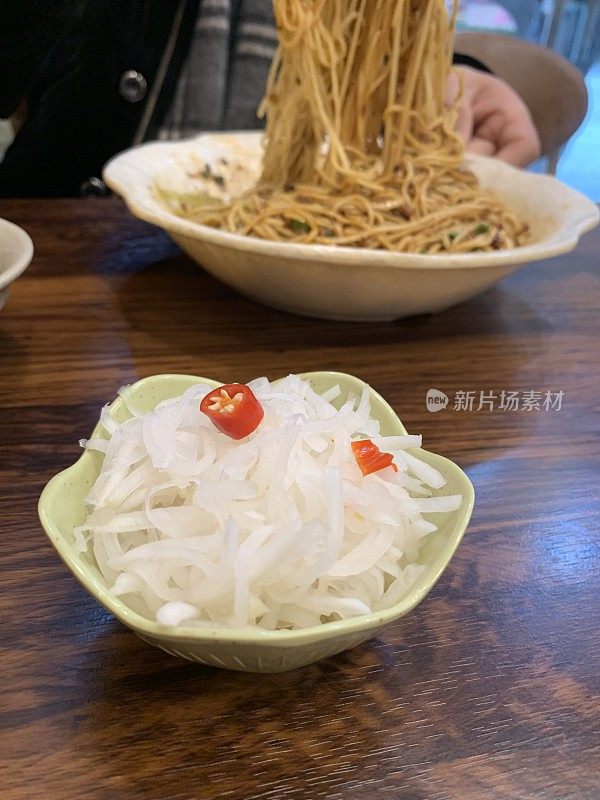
[[360, 147]]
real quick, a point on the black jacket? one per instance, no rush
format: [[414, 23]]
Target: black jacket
[[97, 77]]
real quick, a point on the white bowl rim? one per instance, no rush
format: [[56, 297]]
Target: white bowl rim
[[136, 196], [154, 630], [23, 259]]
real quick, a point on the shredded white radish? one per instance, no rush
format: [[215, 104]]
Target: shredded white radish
[[277, 530]]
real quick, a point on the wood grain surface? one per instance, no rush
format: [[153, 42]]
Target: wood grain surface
[[489, 689]]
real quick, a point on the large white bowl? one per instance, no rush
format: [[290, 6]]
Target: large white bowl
[[343, 282], [16, 252]]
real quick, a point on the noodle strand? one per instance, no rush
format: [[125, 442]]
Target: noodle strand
[[360, 147]]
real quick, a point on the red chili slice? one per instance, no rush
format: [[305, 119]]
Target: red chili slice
[[233, 409], [370, 458]]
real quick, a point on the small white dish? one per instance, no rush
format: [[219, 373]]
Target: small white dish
[[344, 282], [16, 252]]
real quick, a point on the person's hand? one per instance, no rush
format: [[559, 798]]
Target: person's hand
[[493, 119]]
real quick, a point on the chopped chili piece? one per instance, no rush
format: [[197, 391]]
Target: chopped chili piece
[[370, 458], [233, 409]]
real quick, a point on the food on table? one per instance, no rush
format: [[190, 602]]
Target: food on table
[[233, 409], [259, 505], [360, 147]]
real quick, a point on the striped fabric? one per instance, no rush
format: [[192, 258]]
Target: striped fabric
[[223, 79]]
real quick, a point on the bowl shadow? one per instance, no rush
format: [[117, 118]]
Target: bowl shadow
[[211, 716], [180, 319], [184, 308]]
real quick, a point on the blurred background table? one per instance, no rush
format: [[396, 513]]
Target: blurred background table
[[490, 689]]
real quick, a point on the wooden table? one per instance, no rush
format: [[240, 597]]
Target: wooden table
[[490, 689]]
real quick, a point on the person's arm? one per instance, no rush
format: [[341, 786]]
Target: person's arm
[[28, 32]]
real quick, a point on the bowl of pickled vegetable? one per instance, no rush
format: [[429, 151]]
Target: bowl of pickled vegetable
[[259, 526]]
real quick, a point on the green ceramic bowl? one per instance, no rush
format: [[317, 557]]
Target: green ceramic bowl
[[62, 507]]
